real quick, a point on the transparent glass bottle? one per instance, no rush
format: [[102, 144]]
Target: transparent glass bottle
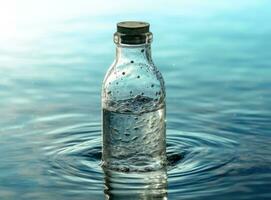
[[133, 104]]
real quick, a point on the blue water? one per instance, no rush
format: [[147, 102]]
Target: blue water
[[215, 59]]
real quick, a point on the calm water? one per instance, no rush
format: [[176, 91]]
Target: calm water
[[215, 59]]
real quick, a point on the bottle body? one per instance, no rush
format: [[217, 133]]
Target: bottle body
[[134, 110]]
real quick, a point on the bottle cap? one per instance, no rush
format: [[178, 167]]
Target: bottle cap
[[133, 27], [133, 33]]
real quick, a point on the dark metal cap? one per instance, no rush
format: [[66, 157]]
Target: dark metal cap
[[133, 27], [133, 32]]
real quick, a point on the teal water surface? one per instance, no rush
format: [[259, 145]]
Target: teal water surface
[[215, 59]]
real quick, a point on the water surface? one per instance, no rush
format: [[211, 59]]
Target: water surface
[[215, 59]]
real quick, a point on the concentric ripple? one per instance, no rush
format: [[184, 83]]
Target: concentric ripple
[[195, 163], [206, 159], [74, 157]]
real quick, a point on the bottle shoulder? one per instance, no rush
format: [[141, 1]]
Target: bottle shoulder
[[133, 80], [135, 73]]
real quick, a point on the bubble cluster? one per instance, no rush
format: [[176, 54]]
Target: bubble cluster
[[158, 93]]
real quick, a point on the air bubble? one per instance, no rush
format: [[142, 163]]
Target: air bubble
[[117, 83], [123, 73], [116, 130], [132, 61], [138, 76], [134, 138]]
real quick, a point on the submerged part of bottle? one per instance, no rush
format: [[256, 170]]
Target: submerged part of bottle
[[133, 103], [139, 186]]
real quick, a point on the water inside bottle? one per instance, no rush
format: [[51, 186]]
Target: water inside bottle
[[134, 135]]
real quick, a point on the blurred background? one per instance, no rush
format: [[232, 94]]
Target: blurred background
[[214, 57]]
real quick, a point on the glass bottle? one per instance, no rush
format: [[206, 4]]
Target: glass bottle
[[133, 104]]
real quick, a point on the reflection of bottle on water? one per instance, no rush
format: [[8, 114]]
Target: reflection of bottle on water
[[141, 186], [133, 103]]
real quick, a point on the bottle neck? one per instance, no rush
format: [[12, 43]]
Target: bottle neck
[[133, 53]]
